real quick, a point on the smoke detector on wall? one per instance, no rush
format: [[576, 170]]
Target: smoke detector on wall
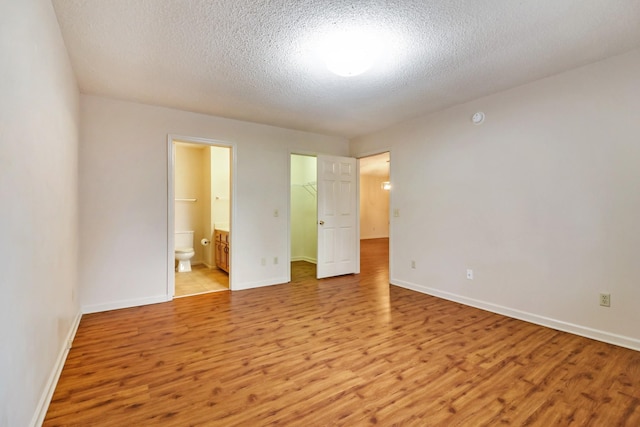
[[477, 118]]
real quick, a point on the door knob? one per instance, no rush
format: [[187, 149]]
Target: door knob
[[321, 222]]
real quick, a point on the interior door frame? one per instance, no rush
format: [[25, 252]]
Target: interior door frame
[[316, 154], [171, 158]]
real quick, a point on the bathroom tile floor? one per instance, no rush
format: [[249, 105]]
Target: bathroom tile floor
[[201, 279]]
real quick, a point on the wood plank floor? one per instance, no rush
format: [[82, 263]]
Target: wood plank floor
[[349, 351]]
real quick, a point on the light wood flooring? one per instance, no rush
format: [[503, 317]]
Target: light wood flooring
[[346, 351], [201, 279]]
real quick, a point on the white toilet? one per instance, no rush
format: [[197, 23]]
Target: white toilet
[[184, 250]]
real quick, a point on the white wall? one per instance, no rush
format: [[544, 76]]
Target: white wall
[[38, 218], [123, 196], [304, 209], [220, 196], [542, 201], [374, 207], [193, 181], [220, 186]]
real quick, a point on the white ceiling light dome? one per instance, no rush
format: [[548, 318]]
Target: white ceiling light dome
[[349, 53]]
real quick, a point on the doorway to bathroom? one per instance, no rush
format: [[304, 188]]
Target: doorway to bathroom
[[200, 210]]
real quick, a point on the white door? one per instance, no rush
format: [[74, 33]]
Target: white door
[[337, 216]]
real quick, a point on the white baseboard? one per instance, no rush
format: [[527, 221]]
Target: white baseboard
[[52, 381], [115, 305], [598, 335], [304, 258], [260, 284]]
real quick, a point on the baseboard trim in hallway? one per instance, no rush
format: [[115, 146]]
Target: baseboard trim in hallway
[[52, 381]]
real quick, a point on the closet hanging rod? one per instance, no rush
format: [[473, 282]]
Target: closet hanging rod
[[186, 200], [310, 187]]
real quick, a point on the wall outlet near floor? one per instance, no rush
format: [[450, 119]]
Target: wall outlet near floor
[[275, 259], [263, 261], [605, 300], [469, 274], [413, 263]]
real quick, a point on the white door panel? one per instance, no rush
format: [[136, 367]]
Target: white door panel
[[337, 216]]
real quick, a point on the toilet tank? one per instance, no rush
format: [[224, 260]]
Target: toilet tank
[[183, 239]]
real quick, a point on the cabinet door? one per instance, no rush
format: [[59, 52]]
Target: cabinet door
[[218, 253], [225, 258]]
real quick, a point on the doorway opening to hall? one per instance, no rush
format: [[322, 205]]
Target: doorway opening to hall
[[375, 195]]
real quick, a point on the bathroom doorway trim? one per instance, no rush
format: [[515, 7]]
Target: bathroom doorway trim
[[171, 158]]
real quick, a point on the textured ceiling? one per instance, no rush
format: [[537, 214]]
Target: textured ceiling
[[254, 60]]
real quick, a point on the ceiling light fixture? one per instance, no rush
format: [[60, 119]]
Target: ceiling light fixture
[[349, 53]]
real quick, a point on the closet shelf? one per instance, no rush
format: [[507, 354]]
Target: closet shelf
[[311, 187]]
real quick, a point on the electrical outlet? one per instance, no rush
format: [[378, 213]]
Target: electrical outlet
[[396, 213], [263, 261], [413, 264], [276, 213], [469, 274], [275, 259], [605, 300]]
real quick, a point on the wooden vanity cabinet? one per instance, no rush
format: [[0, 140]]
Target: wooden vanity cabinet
[[222, 249]]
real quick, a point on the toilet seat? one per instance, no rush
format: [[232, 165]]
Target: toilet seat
[[183, 250]]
